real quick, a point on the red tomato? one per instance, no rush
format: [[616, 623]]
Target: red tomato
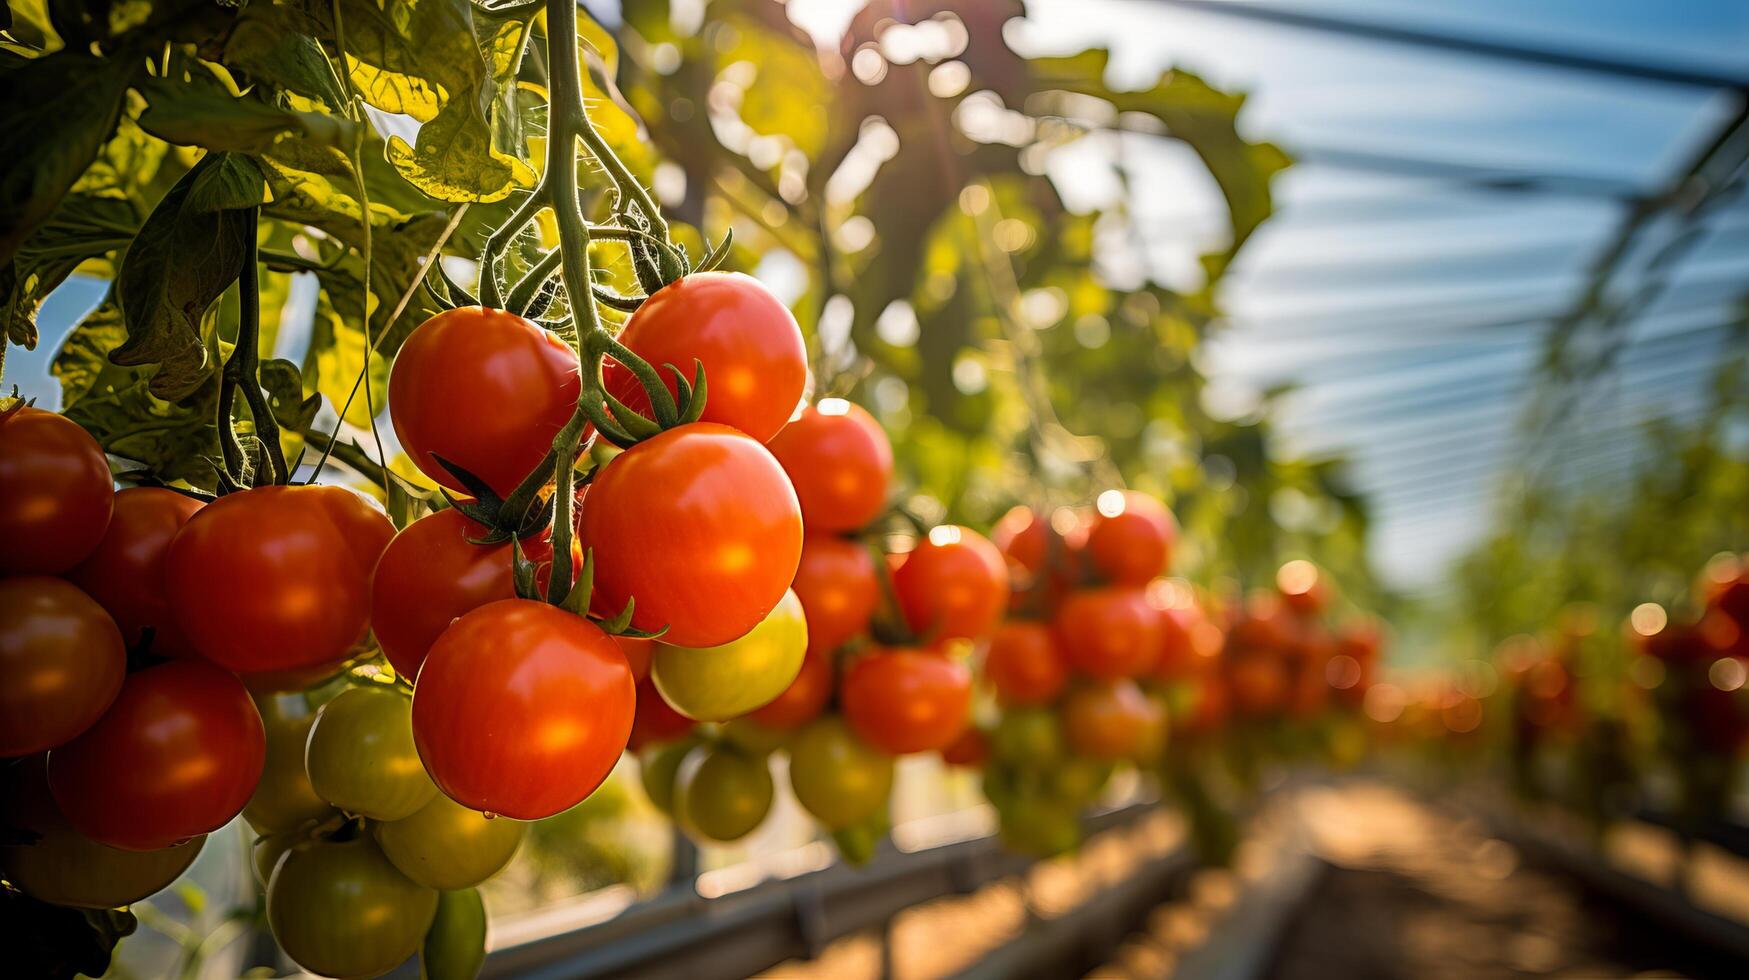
[[433, 572], [1130, 537], [1257, 682], [654, 719], [125, 574], [1189, 642], [1113, 720], [638, 651], [1110, 632], [55, 492], [805, 697], [484, 389], [176, 756], [1025, 537], [838, 588], [971, 749], [61, 663], [1303, 587], [755, 363], [904, 700], [1025, 665], [701, 526], [841, 464], [954, 584], [276, 578], [522, 709]]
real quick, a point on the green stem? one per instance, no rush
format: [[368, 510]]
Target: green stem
[[248, 352], [491, 295], [523, 295], [623, 178]]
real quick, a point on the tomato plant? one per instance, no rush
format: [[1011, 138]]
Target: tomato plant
[[698, 525], [655, 720], [361, 757], [183, 717], [748, 342], [954, 584], [840, 462], [61, 659], [341, 909], [904, 700], [431, 573], [55, 492], [522, 709], [276, 578], [1113, 720], [837, 585], [720, 682], [521, 384]]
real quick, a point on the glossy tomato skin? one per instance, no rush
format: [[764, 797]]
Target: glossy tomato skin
[[1129, 539], [655, 721], [446, 846], [341, 909], [1025, 664], [125, 572], [177, 755], [1110, 632], [803, 700], [904, 700], [837, 584], [1113, 720], [284, 800], [276, 578], [361, 758], [431, 573], [62, 866], [522, 709], [721, 682], [841, 464], [755, 362], [486, 390], [701, 526], [837, 777], [638, 651], [953, 585], [61, 663], [722, 793], [55, 492]]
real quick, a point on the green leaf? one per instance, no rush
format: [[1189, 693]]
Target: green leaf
[[193, 108], [337, 352], [268, 45], [284, 385], [63, 108], [83, 228], [410, 58], [178, 264], [233, 183]]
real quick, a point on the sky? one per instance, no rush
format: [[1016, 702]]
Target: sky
[[1365, 292]]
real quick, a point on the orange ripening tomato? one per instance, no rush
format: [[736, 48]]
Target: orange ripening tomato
[[1113, 720], [125, 573], [840, 462], [177, 755], [522, 709], [638, 651], [55, 492], [1190, 644], [953, 585], [805, 697], [1129, 538], [1110, 632], [1257, 682], [655, 721], [486, 390], [1025, 664], [61, 663], [1025, 537], [698, 524], [971, 750], [837, 586], [905, 700], [276, 578], [433, 572], [755, 362]]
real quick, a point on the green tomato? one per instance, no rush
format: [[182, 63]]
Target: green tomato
[[64, 867], [361, 756], [836, 777], [1028, 737], [658, 765], [284, 799], [1078, 781], [447, 846], [721, 682], [1043, 828], [857, 844], [340, 909], [455, 945], [722, 793], [268, 850], [752, 737]]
